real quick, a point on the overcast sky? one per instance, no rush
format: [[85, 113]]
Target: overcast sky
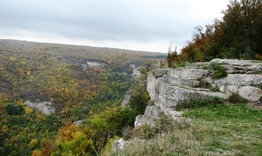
[[149, 25]]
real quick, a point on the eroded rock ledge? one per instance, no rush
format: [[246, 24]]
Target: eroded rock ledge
[[169, 87]]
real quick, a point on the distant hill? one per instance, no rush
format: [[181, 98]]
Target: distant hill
[[117, 59], [44, 87], [27, 67]]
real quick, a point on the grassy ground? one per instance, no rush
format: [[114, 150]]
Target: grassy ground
[[228, 129], [215, 130]]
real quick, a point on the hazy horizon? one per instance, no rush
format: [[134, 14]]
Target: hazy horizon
[[135, 25]]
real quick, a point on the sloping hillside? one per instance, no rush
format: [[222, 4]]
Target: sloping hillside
[[44, 87]]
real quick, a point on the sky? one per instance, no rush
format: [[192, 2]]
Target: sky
[[148, 25]]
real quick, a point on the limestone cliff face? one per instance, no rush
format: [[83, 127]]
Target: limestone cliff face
[[170, 87]]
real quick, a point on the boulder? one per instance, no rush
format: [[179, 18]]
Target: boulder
[[119, 145], [151, 113], [250, 93]]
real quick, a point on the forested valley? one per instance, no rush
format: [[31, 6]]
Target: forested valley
[[83, 84]]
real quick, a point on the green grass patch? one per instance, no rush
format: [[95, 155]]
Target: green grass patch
[[258, 72], [232, 129], [215, 130], [196, 103]]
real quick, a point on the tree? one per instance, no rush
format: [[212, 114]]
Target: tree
[[11, 109], [242, 28], [237, 35]]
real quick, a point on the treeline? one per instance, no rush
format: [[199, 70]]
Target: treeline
[[238, 35]]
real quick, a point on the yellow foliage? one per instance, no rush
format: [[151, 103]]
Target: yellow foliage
[[36, 153], [21, 72], [66, 133], [28, 110], [28, 73], [4, 129], [33, 143], [4, 121], [67, 91], [20, 101], [12, 58]]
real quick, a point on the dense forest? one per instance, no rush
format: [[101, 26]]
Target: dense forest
[[237, 35], [78, 91]]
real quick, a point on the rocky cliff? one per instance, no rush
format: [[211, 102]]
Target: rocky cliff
[[169, 88]]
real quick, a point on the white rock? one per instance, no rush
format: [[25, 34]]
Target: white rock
[[239, 80], [250, 93], [171, 87], [142, 120], [79, 122], [151, 84], [95, 64], [119, 145], [44, 107]]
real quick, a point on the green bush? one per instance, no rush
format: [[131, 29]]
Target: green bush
[[139, 99], [214, 88], [235, 98], [196, 103], [11, 109], [220, 71]]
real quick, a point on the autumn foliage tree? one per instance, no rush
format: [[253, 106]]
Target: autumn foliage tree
[[238, 35]]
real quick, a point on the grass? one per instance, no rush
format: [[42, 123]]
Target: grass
[[230, 129], [221, 129]]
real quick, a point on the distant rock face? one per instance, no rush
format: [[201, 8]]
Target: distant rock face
[[92, 64], [169, 87], [136, 71], [95, 64], [126, 99], [44, 107]]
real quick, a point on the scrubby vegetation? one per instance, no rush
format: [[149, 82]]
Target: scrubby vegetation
[[204, 101], [237, 35], [219, 70], [217, 129]]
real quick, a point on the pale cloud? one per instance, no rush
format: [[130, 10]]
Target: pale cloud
[[138, 24]]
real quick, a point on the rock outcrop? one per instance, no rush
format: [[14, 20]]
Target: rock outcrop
[[44, 107], [135, 71], [171, 87]]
